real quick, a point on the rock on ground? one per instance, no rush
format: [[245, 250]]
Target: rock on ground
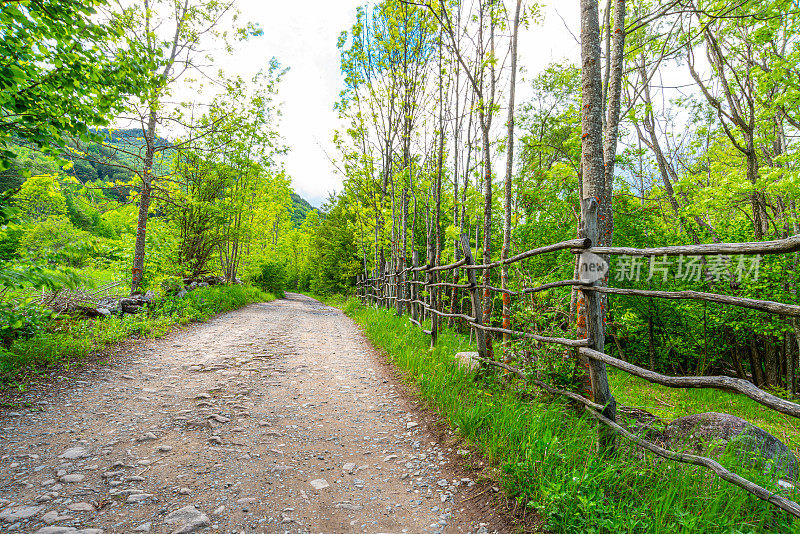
[[188, 519], [12, 514], [468, 360], [712, 433]]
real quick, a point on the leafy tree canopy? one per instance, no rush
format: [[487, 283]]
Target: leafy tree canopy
[[61, 71]]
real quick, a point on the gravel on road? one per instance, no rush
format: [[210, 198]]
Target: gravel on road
[[276, 418]]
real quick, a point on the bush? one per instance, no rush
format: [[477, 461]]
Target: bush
[[20, 322], [52, 235], [10, 239], [271, 278]]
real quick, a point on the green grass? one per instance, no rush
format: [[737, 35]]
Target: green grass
[[542, 449], [671, 403], [66, 341]]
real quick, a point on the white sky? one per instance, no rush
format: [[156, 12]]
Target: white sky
[[302, 36]]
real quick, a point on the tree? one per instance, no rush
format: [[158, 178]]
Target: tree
[[593, 196], [507, 189], [58, 76], [41, 198], [335, 249], [170, 56], [730, 52]]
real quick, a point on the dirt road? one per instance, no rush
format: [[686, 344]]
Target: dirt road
[[277, 417]]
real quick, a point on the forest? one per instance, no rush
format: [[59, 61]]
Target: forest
[[140, 188], [99, 174], [697, 146]]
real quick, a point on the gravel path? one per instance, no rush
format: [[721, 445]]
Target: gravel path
[[274, 418]]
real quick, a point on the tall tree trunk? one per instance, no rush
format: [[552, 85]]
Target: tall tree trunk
[[737, 360], [757, 201], [145, 198], [592, 198], [771, 360], [611, 123], [755, 363], [651, 346], [487, 234], [791, 378], [507, 190], [437, 247], [457, 122], [486, 121]]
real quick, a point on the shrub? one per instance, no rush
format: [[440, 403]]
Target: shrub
[[20, 322], [271, 278], [10, 239], [57, 236]]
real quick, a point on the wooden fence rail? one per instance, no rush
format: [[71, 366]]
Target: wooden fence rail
[[382, 289]]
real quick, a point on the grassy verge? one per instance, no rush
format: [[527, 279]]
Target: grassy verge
[[670, 403], [542, 449], [68, 341]]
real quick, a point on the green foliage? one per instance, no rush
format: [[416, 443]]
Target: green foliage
[[21, 322], [57, 76], [271, 278], [335, 252], [10, 239], [41, 198], [53, 235]]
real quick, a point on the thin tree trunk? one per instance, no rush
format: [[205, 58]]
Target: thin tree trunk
[[507, 191], [651, 348], [591, 320], [755, 364], [737, 362], [137, 272], [611, 124]]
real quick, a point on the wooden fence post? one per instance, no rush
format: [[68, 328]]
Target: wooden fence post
[[474, 292], [595, 330], [392, 281], [398, 288], [382, 283], [433, 291], [387, 289], [370, 290], [414, 288], [373, 285]]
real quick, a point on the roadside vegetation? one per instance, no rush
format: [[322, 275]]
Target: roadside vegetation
[[541, 449], [58, 343], [112, 232]]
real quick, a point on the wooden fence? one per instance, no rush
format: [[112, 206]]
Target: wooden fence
[[403, 289]]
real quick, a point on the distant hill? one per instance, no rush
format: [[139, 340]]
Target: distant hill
[[300, 208], [105, 164]]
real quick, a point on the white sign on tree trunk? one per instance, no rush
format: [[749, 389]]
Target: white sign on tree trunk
[[592, 268]]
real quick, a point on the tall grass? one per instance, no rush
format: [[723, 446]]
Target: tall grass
[[543, 449], [70, 341]]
